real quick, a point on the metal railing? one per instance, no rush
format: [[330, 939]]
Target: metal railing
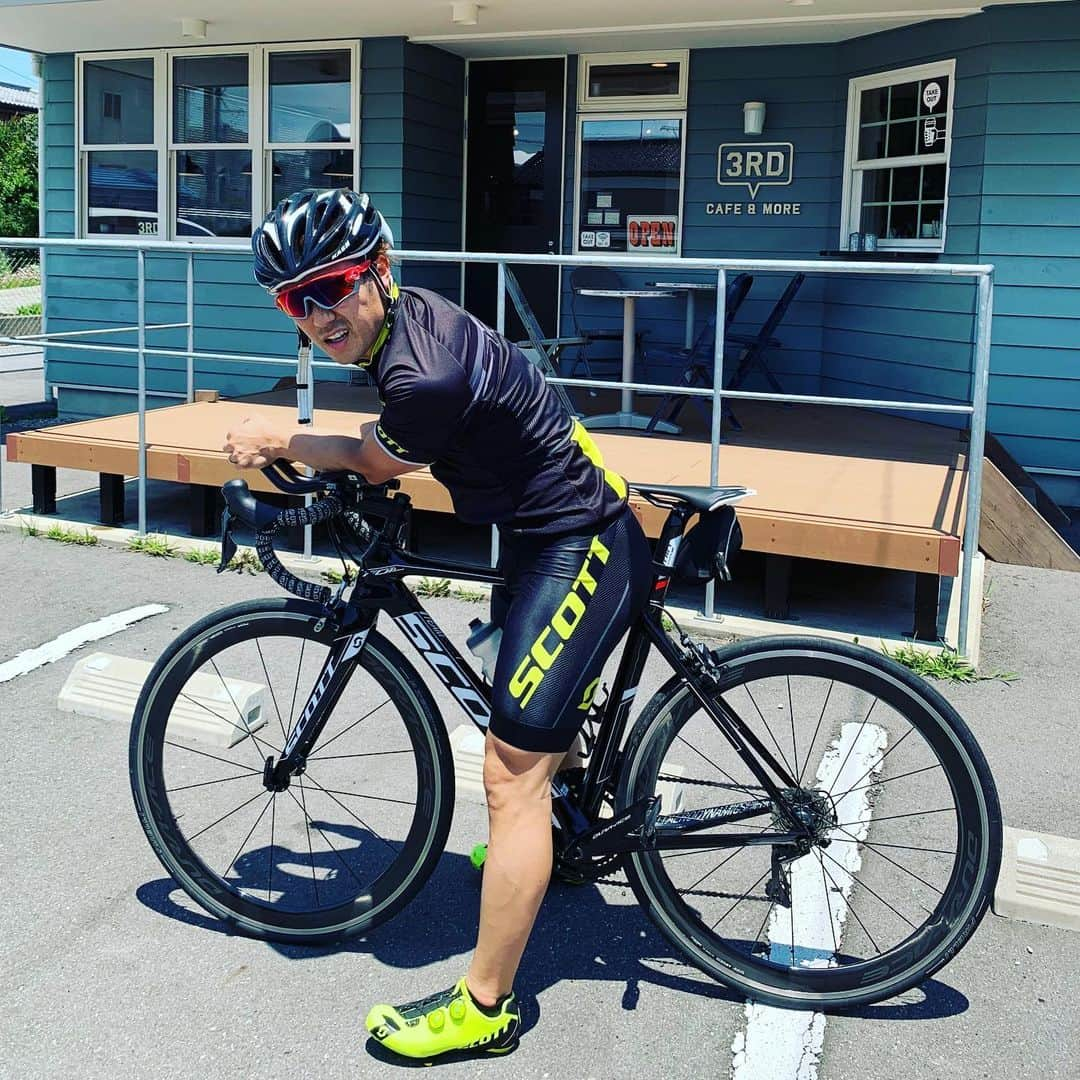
[[982, 274]]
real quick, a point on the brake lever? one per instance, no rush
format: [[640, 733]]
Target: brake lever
[[228, 544]]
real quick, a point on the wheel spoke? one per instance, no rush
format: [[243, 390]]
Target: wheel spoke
[[726, 775], [877, 765], [870, 891], [311, 852], [791, 717], [329, 843], [888, 779], [247, 802], [902, 847], [370, 753], [372, 712], [854, 743], [873, 847], [273, 696], [828, 902], [245, 728], [245, 731], [270, 860], [356, 817], [722, 862], [207, 783], [203, 753], [359, 794], [269, 802], [741, 898], [850, 905], [296, 686], [813, 741], [779, 750], [893, 817]]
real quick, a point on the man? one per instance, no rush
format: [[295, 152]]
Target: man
[[460, 399]]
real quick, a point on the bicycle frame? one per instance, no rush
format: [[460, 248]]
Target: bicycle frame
[[380, 589]]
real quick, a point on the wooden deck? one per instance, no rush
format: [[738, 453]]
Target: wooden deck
[[844, 485]]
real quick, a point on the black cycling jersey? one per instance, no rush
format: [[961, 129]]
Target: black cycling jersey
[[459, 397]]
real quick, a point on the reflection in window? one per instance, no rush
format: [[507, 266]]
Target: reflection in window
[[296, 169], [213, 193], [210, 99], [118, 102], [630, 181], [309, 97], [634, 80], [121, 192]]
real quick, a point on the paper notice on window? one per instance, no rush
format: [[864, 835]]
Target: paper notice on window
[[588, 239], [603, 239], [603, 202], [595, 217], [655, 233]]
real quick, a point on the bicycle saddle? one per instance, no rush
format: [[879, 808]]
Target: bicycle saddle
[[702, 499]]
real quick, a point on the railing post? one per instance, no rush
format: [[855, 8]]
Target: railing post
[[304, 410], [984, 313], [717, 411], [191, 326], [500, 325], [141, 362]]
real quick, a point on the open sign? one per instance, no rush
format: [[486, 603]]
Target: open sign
[[651, 232], [755, 164]]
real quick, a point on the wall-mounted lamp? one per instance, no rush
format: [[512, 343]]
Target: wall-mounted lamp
[[753, 117], [195, 29], [465, 13]]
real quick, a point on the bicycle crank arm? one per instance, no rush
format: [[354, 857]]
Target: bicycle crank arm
[[630, 830]]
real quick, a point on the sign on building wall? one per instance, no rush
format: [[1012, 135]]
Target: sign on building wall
[[755, 166]]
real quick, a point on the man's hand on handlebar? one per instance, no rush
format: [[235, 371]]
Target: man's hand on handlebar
[[255, 443]]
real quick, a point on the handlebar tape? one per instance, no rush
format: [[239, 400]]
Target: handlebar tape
[[296, 517]]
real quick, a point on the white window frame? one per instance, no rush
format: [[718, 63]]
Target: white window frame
[[633, 103], [258, 144], [254, 126], [650, 114], [854, 170], [82, 172], [353, 145]]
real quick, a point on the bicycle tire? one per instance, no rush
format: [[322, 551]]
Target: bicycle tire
[[832, 984], [262, 621]]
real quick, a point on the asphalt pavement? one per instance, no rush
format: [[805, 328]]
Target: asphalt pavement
[[108, 970]]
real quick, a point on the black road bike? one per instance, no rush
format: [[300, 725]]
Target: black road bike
[[804, 820]]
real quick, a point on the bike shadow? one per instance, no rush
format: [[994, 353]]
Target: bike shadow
[[592, 933]]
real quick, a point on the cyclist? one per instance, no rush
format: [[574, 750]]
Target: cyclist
[[459, 398]]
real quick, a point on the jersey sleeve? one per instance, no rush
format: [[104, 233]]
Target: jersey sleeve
[[424, 405]]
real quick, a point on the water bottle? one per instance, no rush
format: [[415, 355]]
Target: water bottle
[[484, 643]]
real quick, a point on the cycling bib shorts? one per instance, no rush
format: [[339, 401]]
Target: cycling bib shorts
[[566, 603]]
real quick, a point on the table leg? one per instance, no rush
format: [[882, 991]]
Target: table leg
[[689, 318], [627, 406]]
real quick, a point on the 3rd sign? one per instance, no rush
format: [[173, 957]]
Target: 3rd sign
[[755, 164]]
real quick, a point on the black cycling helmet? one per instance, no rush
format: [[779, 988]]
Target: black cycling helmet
[[313, 228]]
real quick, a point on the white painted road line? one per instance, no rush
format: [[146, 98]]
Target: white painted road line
[[59, 647], [785, 1044]]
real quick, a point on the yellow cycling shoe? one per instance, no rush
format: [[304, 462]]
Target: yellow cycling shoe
[[448, 1020]]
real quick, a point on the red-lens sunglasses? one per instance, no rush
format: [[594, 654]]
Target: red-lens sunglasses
[[326, 290]]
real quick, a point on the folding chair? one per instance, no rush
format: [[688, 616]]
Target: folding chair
[[543, 352], [756, 344], [699, 358]]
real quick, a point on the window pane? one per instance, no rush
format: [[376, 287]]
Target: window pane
[[213, 193], [874, 105], [118, 101], [905, 185], [901, 140], [874, 219], [210, 99], [934, 96], [902, 222], [296, 169], [872, 143], [933, 182], [633, 80], [930, 219], [903, 103], [630, 172], [121, 189], [876, 185], [932, 135], [309, 97]]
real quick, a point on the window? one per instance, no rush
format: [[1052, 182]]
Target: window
[[630, 184], [633, 80], [206, 140], [897, 163], [120, 160]]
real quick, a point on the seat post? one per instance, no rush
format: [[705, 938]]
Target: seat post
[[667, 546]]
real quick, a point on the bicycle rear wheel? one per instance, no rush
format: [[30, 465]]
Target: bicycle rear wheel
[[907, 826], [351, 839]]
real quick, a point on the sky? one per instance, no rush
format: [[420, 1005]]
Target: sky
[[15, 68]]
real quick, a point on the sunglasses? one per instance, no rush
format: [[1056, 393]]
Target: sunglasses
[[325, 290]]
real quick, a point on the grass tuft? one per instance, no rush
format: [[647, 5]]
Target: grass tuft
[[68, 536], [203, 556], [947, 665], [158, 547], [432, 587]]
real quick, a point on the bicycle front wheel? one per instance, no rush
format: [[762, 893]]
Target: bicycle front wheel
[[352, 838], [905, 819]]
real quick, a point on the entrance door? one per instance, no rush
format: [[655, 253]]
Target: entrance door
[[513, 187]]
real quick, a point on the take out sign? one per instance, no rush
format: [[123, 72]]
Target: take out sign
[[755, 164]]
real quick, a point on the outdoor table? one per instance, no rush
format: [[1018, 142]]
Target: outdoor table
[[691, 288], [626, 417]]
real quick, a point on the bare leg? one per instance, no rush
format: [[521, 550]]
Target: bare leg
[[518, 864]]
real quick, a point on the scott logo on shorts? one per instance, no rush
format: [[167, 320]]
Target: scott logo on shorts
[[564, 622]]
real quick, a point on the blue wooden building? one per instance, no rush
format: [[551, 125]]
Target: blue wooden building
[[521, 129]]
